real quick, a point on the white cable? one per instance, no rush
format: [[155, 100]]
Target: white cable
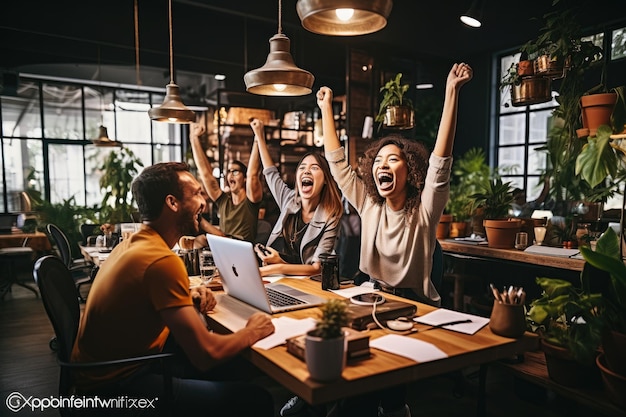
[[389, 329]]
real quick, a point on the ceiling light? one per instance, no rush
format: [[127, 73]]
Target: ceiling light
[[344, 17], [220, 77], [474, 15], [424, 86], [172, 110], [279, 76], [103, 139]]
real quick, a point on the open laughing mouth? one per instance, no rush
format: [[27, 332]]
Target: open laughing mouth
[[385, 181], [306, 184]]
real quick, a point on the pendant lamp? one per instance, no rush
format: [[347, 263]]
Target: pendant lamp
[[172, 110], [103, 139], [279, 76], [473, 17], [344, 17]]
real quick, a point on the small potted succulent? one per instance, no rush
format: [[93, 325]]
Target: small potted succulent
[[325, 345], [396, 110]]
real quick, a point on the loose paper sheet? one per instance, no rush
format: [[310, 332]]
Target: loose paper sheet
[[414, 349], [443, 315], [285, 327]]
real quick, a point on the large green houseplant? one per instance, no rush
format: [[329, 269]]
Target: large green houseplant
[[118, 171], [396, 109]]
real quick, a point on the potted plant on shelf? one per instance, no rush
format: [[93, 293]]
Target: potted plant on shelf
[[495, 199], [396, 110], [468, 172], [568, 321], [606, 257], [325, 345]]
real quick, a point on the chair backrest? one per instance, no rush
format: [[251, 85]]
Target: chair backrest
[[263, 230], [436, 272], [60, 299], [61, 242], [86, 231]]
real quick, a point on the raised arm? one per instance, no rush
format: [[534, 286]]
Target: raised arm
[[210, 183], [259, 139], [254, 188], [457, 77], [325, 103]]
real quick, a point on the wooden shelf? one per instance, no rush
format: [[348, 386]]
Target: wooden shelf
[[533, 369]]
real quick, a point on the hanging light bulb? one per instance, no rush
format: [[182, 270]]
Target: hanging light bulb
[[474, 15], [279, 76], [103, 139], [172, 110], [344, 17]]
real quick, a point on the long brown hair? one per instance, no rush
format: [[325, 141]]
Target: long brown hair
[[416, 156], [330, 197]]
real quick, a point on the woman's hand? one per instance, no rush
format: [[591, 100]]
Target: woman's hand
[[324, 98], [268, 255], [196, 130], [459, 75], [258, 128]]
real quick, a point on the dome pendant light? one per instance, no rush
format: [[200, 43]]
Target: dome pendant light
[[473, 17], [103, 140], [172, 110], [344, 17], [279, 76]]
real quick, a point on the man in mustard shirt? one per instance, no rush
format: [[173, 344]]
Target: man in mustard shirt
[[141, 296]]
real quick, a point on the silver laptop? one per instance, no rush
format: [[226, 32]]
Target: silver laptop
[[239, 271]]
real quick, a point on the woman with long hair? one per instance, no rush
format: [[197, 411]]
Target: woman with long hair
[[309, 217]]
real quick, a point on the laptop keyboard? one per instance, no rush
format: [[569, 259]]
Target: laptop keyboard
[[279, 299]]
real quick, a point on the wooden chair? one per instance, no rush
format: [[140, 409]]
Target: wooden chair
[[60, 299]]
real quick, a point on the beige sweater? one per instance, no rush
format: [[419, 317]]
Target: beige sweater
[[393, 250]]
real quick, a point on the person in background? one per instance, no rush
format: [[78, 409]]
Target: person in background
[[309, 214], [400, 198], [141, 297], [238, 208], [522, 208]]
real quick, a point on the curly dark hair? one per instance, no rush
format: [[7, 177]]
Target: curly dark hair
[[416, 156]]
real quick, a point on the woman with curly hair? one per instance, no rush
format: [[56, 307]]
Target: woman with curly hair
[[400, 197]]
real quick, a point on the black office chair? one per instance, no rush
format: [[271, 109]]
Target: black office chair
[[79, 268], [60, 300]]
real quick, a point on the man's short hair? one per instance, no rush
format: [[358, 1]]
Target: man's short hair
[[154, 184], [242, 166]]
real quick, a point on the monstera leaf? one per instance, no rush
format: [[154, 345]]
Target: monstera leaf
[[597, 160]]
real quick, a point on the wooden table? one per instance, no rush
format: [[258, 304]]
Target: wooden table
[[512, 255], [93, 254], [382, 369], [38, 241]]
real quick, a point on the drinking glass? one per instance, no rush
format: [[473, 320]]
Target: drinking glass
[[521, 240], [207, 266], [540, 234]]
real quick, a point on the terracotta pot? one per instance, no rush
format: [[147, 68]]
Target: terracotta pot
[[501, 233], [525, 68], [614, 383], [458, 229], [507, 320], [531, 90], [443, 227], [563, 369], [596, 110], [614, 346]]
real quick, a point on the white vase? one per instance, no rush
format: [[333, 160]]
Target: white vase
[[325, 358]]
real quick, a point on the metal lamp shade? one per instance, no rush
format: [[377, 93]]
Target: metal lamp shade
[[172, 110], [319, 16], [279, 76], [103, 139]]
